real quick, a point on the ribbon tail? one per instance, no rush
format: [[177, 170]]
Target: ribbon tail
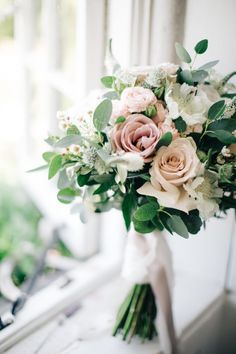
[[161, 280]]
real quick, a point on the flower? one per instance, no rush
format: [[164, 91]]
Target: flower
[[205, 192], [137, 134], [118, 109], [168, 127], [161, 112], [129, 161], [137, 99], [189, 102], [173, 166]]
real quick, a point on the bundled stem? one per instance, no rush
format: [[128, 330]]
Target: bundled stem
[[137, 314]]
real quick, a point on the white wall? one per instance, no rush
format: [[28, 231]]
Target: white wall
[[214, 20]]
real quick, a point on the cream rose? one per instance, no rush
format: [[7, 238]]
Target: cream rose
[[172, 167], [137, 134], [137, 99], [118, 109]]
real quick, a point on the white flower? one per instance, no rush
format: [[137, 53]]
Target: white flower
[[191, 103], [126, 162], [204, 191], [225, 152], [71, 170]]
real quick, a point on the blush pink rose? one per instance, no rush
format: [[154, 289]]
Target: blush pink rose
[[172, 167], [161, 112], [168, 127], [118, 109], [137, 134], [137, 99]]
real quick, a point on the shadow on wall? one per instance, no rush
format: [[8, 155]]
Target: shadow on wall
[[228, 327]]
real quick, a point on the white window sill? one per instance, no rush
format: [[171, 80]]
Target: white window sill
[[197, 307]]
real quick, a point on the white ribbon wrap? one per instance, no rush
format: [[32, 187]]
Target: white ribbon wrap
[[148, 260]]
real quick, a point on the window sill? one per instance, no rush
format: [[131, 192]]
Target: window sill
[[197, 307]]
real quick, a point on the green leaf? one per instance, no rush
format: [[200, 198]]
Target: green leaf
[[51, 140], [40, 168], [73, 130], [165, 140], [178, 226], [216, 110], [186, 76], [63, 181], [102, 115], [223, 136], [143, 227], [180, 125], [151, 111], [209, 65], [223, 124], [192, 221], [182, 53], [201, 46], [157, 222], [104, 187], [120, 119], [103, 178], [199, 75], [228, 77], [68, 140], [48, 155], [83, 179], [108, 81], [111, 95], [54, 166], [66, 195], [146, 212], [127, 209]]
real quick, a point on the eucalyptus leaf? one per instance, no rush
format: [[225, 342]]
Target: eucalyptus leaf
[[223, 124], [180, 125], [223, 136], [108, 81], [208, 65], [111, 95], [182, 53], [63, 181], [201, 46], [51, 140], [68, 140], [48, 155], [146, 212], [102, 115], [216, 110], [54, 166], [36, 169], [186, 76], [73, 130], [66, 195], [178, 226], [143, 227], [199, 75]]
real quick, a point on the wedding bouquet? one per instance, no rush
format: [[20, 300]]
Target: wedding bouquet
[[159, 143]]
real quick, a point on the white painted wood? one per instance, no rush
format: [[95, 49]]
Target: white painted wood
[[119, 28], [51, 37], [168, 18], [68, 289], [90, 44], [89, 331]]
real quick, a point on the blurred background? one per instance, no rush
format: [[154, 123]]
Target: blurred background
[[52, 53]]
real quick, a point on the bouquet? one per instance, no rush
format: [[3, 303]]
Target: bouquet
[[159, 143]]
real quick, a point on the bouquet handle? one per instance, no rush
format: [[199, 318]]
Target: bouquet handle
[[148, 259]]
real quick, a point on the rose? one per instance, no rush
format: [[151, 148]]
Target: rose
[[161, 112], [173, 166], [137, 99], [137, 134], [166, 127], [118, 109]]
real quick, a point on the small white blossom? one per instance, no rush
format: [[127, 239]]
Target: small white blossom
[[225, 152]]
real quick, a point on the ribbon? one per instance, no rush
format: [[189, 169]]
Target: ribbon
[[148, 259]]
